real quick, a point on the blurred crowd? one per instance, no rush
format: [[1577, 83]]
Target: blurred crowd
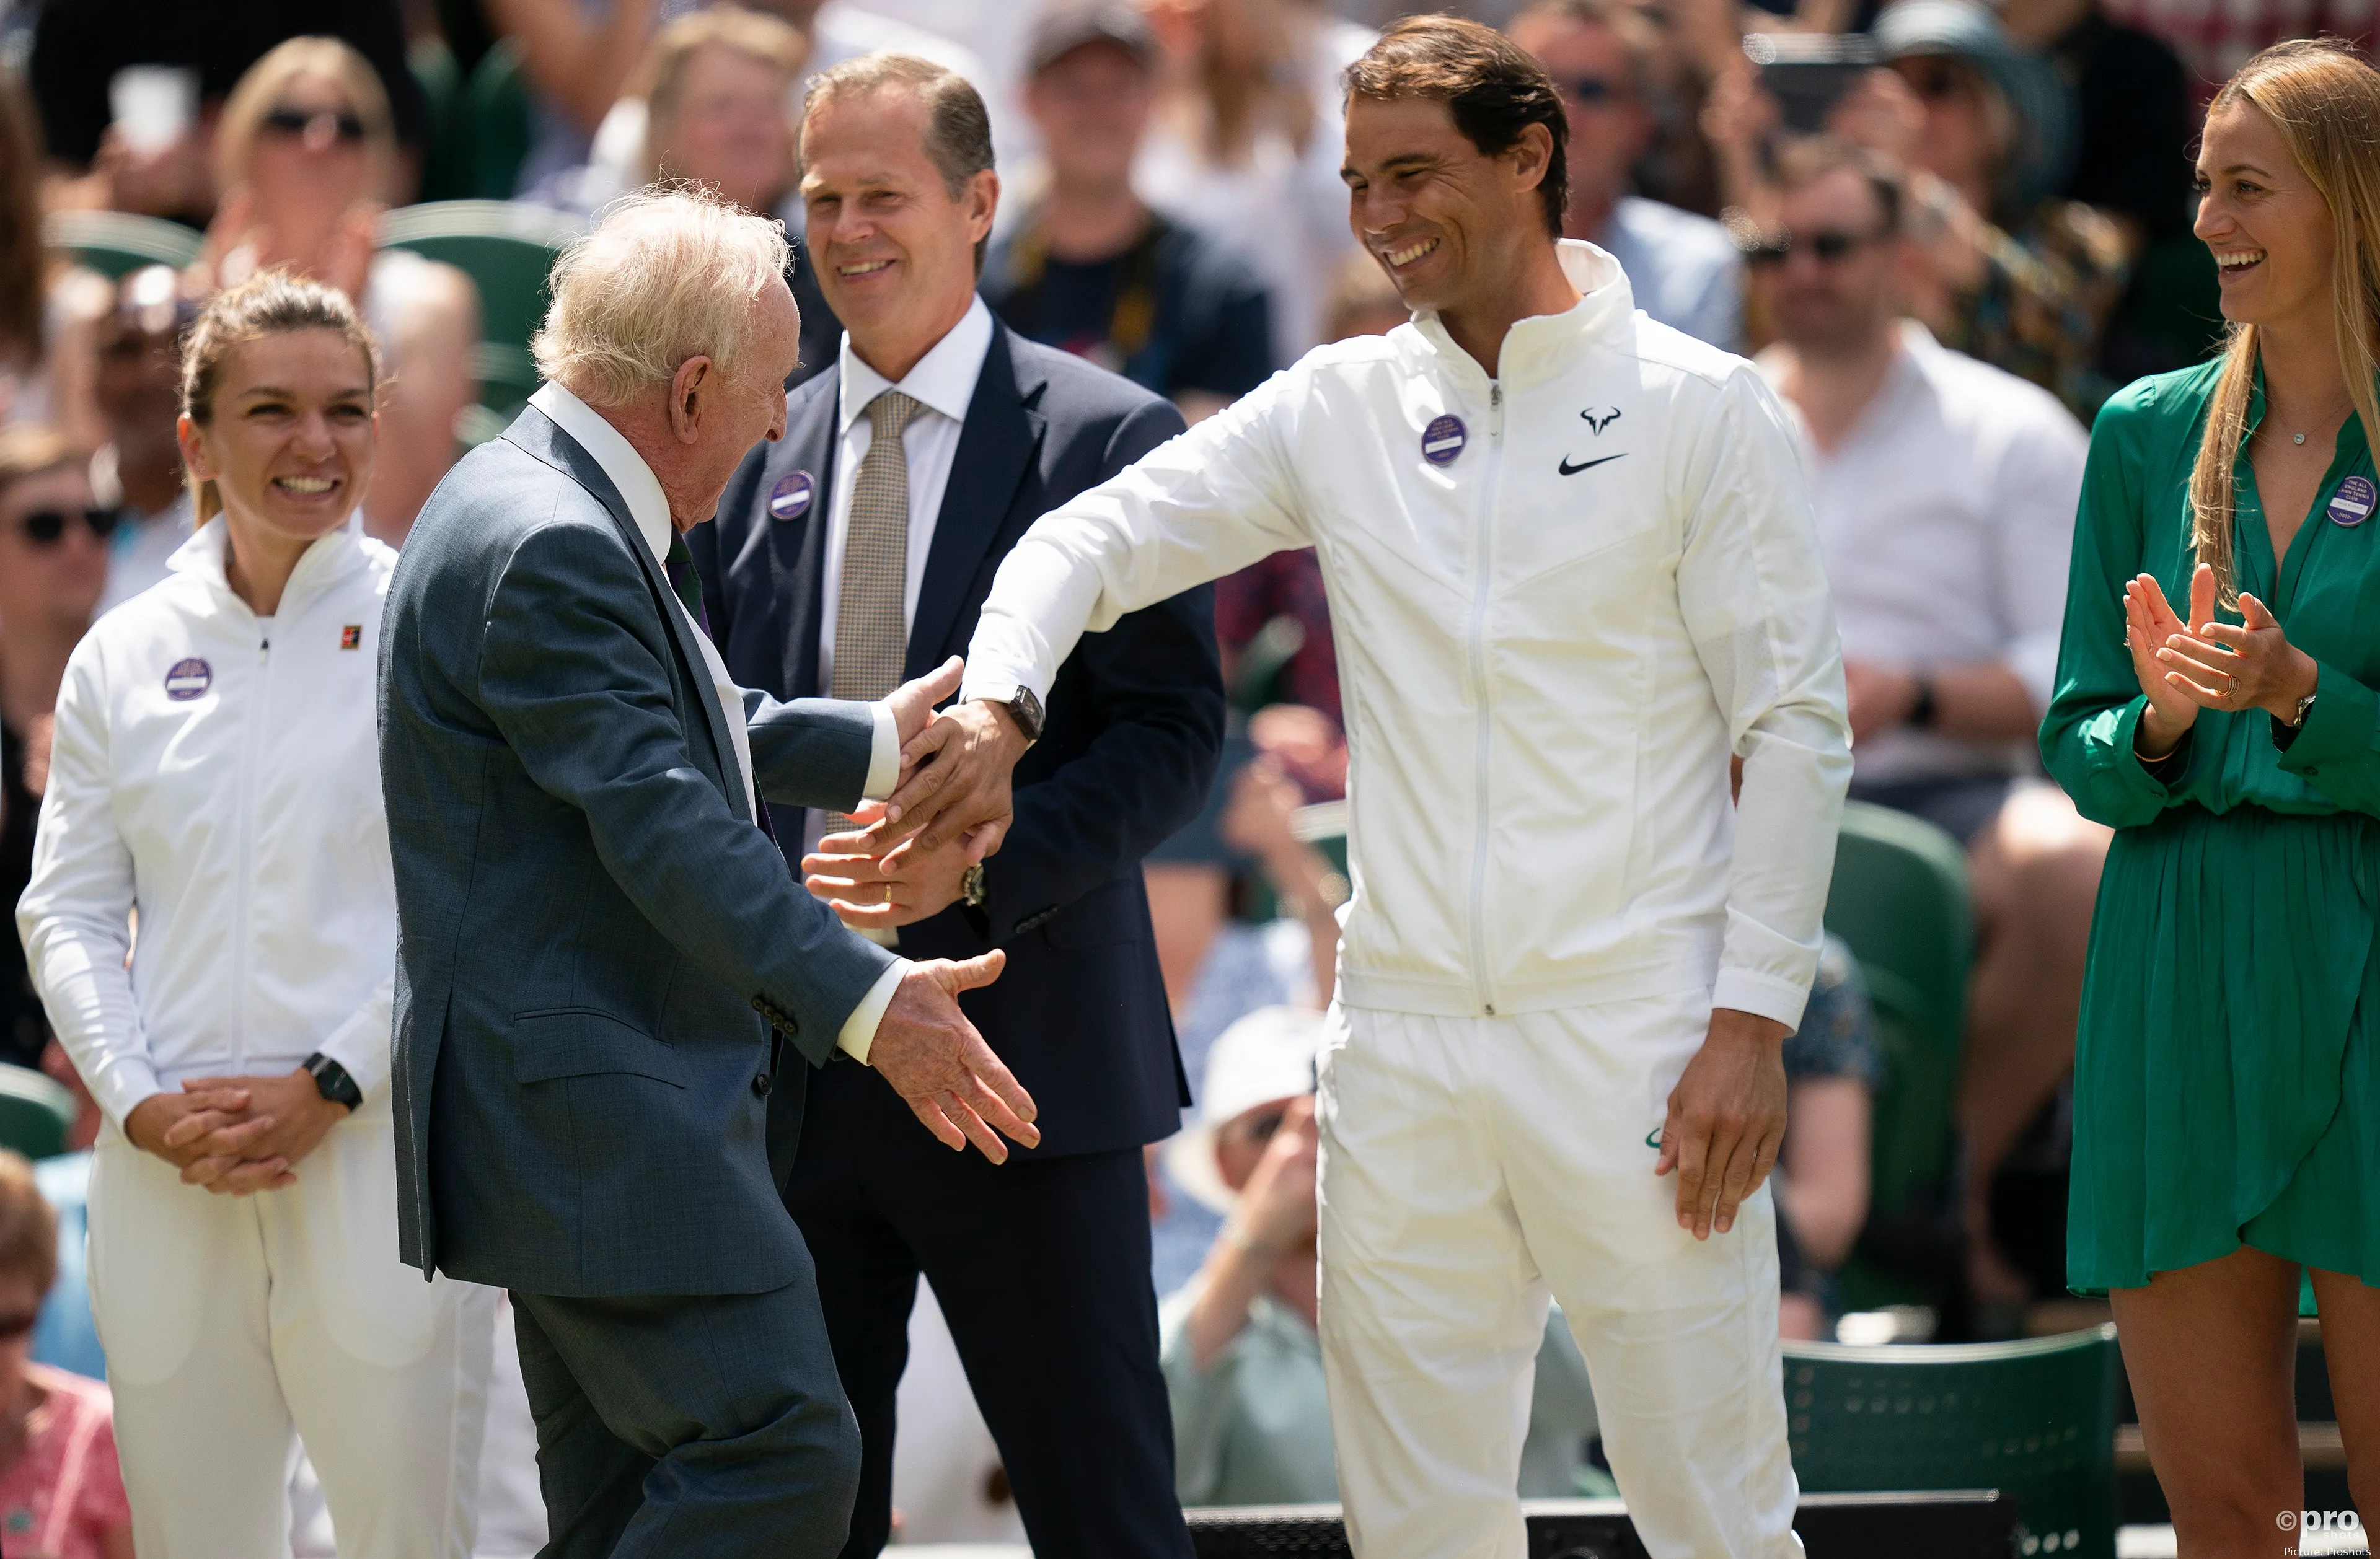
[[1946, 231]]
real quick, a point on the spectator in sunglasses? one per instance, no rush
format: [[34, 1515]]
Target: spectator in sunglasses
[[136, 381], [52, 565], [61, 1494], [1242, 1360], [1683, 268], [307, 156]]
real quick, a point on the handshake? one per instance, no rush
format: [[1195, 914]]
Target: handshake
[[909, 859]]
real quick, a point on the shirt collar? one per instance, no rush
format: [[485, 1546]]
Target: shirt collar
[[943, 380], [1541, 345], [647, 505]]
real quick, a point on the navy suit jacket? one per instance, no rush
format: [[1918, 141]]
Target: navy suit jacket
[[1136, 722], [594, 942]]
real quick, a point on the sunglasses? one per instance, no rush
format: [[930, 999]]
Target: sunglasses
[[1590, 91], [296, 122], [47, 528], [1827, 246]]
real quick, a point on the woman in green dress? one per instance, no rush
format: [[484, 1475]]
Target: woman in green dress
[[2228, 1069]]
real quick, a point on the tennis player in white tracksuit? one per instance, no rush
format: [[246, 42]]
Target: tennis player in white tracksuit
[[1563, 595], [216, 774]]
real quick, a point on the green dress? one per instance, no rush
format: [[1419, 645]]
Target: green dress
[[2226, 1073]]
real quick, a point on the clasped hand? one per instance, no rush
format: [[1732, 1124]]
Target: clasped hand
[[236, 1135], [2203, 664]]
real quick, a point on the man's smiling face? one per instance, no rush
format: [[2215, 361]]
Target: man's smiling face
[[1436, 213], [890, 242]]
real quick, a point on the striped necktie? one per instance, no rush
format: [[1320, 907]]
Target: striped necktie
[[872, 630]]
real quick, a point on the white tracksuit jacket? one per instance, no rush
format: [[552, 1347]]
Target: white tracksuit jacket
[[1563, 598], [227, 782]]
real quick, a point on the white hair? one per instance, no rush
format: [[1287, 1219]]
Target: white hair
[[666, 275]]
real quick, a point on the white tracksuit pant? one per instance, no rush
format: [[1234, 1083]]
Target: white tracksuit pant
[[1469, 1166], [229, 1322]]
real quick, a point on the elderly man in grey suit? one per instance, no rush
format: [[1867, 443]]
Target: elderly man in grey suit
[[602, 959]]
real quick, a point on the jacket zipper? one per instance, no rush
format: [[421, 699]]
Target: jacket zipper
[[253, 723], [1482, 562]]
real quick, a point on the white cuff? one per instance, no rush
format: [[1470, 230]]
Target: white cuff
[[122, 1083], [995, 689], [1762, 996], [883, 758], [859, 1030]]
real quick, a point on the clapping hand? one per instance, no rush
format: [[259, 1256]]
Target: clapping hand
[[2207, 664]]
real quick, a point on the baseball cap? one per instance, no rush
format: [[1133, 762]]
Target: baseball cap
[[1070, 24]]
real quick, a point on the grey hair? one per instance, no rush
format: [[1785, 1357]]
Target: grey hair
[[667, 275]]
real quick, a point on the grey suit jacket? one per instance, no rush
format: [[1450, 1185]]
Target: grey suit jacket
[[594, 941]]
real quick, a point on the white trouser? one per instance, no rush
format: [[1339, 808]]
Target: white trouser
[[1470, 1165], [233, 1323]]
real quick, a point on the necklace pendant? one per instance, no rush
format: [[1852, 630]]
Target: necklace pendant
[[2298, 438]]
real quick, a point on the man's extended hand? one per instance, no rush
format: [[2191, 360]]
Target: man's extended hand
[[287, 1119], [957, 777], [1726, 1117], [901, 885], [937, 1062]]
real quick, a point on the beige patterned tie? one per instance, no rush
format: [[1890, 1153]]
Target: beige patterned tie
[[871, 637]]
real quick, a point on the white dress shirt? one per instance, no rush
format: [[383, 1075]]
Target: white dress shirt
[[1946, 515], [649, 507]]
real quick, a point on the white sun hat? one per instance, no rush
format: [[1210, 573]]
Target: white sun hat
[[1266, 1056]]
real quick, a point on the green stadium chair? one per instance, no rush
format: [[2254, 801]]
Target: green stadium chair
[[2035, 1419], [36, 1112], [115, 244], [508, 251], [1900, 899]]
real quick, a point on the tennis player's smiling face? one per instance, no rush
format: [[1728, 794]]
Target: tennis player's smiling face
[[1446, 221]]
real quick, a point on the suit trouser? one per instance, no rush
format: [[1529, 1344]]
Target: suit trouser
[[1468, 1168], [701, 1427], [233, 1323], [1041, 1268]]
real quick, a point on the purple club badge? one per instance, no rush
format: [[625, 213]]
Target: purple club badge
[[790, 499], [2352, 503], [1443, 439], [186, 680]]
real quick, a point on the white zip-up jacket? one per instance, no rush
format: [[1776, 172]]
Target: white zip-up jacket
[[1563, 598], [222, 776]]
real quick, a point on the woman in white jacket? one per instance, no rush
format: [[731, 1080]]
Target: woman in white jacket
[[215, 774]]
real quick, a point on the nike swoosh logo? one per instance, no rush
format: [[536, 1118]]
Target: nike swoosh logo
[[1569, 470]]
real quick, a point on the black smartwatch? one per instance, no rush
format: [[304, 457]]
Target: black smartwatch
[[1025, 710], [331, 1079]]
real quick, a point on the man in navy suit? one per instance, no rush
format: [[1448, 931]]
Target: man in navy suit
[[862, 545]]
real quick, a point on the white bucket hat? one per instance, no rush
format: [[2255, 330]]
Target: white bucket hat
[[1266, 1056]]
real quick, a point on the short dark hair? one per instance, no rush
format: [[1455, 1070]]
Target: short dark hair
[[1493, 88], [958, 129], [1814, 157]]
